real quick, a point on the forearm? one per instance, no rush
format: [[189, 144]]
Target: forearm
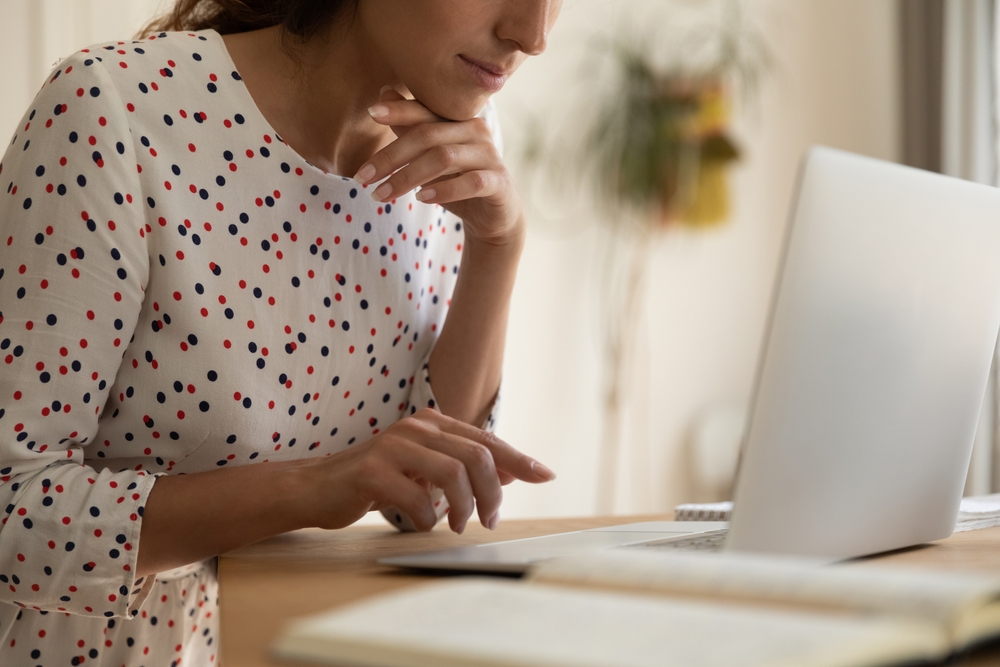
[[191, 517], [466, 364]]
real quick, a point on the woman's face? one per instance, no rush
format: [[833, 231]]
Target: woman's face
[[441, 49]]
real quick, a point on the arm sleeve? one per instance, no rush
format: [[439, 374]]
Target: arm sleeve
[[73, 268]]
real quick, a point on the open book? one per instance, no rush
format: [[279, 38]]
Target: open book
[[631, 609]]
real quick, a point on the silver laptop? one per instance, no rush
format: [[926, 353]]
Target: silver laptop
[[883, 324]]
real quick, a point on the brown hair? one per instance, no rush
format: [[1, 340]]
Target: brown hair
[[300, 19]]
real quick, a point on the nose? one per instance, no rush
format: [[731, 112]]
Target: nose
[[528, 22]]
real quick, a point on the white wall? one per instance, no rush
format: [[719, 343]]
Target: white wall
[[835, 82]]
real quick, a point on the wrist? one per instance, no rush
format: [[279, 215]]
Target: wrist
[[299, 484], [509, 245]]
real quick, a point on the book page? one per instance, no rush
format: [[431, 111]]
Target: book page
[[978, 512], [501, 623], [938, 597]]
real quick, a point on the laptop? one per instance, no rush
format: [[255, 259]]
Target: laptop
[[882, 328]]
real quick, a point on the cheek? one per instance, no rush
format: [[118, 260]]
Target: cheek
[[419, 41], [409, 33], [398, 32]]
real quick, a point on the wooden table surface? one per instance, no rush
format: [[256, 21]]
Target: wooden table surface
[[265, 585]]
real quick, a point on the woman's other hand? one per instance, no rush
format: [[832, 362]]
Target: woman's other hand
[[455, 163], [399, 467]]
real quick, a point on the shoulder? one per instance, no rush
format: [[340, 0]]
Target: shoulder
[[153, 51], [142, 65]]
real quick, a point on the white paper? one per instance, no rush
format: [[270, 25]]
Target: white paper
[[978, 512]]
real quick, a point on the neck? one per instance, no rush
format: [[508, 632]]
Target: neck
[[317, 96]]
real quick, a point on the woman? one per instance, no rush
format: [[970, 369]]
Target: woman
[[192, 281]]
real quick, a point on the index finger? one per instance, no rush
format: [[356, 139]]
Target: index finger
[[505, 457], [402, 112]]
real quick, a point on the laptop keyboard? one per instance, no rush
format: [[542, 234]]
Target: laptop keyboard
[[710, 541]]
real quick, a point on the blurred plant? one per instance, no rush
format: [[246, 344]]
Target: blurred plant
[[657, 153], [663, 148], [660, 143]]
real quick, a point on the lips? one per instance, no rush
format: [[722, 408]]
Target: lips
[[485, 78], [495, 70]]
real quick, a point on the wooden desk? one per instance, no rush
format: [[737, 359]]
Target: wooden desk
[[267, 584]]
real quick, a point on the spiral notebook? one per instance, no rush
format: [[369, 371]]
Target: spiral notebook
[[974, 513]]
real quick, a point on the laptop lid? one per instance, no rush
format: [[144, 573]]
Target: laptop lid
[[883, 325]]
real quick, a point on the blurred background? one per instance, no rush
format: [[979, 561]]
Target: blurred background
[[636, 323]]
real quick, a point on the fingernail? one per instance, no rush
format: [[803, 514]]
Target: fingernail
[[494, 521], [378, 111], [542, 471], [365, 173], [384, 88], [426, 193], [382, 191]]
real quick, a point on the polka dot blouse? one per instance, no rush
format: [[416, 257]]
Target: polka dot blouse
[[180, 291]]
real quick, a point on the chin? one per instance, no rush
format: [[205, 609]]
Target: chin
[[456, 106]]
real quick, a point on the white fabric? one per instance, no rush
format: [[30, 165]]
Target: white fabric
[[180, 291]]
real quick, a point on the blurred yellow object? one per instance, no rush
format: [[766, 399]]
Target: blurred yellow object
[[713, 108], [711, 201], [706, 201]]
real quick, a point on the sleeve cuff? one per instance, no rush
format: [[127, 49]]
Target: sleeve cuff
[[92, 547]]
